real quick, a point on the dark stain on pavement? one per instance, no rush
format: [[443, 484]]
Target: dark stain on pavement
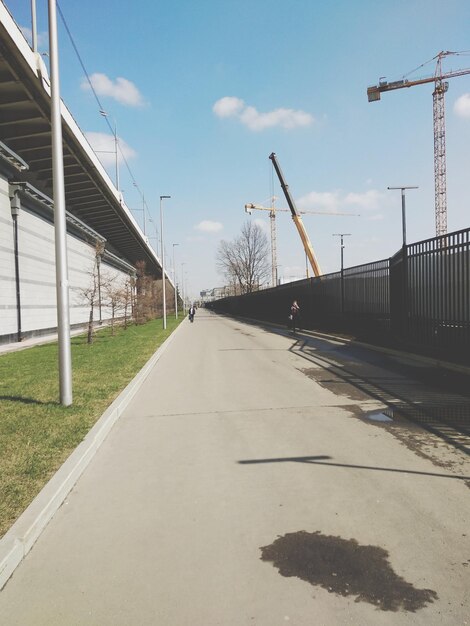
[[346, 568], [333, 383]]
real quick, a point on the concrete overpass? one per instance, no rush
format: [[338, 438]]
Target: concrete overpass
[[25, 129]]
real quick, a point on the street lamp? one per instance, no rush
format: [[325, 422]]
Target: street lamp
[[143, 207], [174, 278], [403, 210], [104, 114], [182, 288], [342, 245], [163, 260], [60, 223], [342, 266]]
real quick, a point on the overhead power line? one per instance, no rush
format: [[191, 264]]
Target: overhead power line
[[100, 106]]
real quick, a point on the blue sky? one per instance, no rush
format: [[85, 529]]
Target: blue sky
[[202, 92]]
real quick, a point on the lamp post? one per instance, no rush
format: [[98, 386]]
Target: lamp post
[[174, 278], [60, 224], [182, 288], [98, 271], [163, 260], [34, 28], [403, 209], [342, 266], [104, 114], [143, 208], [404, 306]]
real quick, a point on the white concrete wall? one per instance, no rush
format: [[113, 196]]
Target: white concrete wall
[[37, 271]]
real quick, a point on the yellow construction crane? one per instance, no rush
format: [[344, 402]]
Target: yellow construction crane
[[272, 215], [297, 219], [441, 86]]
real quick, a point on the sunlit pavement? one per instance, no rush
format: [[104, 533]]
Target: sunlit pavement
[[260, 478]]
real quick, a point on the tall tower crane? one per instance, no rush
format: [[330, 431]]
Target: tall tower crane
[[272, 215], [440, 87]]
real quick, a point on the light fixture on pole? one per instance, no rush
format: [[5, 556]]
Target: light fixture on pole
[[60, 224], [342, 246], [104, 114], [342, 266], [163, 260], [174, 278], [143, 208], [182, 288], [403, 209]]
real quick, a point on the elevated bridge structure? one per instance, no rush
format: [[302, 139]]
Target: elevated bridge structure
[[25, 128], [98, 220]]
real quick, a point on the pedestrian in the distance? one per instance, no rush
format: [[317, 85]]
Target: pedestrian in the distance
[[294, 316]]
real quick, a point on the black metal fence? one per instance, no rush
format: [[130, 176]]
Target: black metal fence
[[418, 299]]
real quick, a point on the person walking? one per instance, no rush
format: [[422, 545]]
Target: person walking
[[192, 311], [294, 316]]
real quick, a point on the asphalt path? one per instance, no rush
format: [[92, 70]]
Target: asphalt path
[[269, 479]]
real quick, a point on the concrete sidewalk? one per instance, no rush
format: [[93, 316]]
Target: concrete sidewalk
[[19, 540], [239, 437]]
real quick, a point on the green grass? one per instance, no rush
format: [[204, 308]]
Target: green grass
[[37, 433]]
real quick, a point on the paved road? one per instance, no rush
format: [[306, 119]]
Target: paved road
[[247, 484]]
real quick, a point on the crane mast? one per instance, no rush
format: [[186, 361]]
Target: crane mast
[[272, 215], [272, 220], [297, 219], [441, 86]]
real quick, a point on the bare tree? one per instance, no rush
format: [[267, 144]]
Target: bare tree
[[127, 298], [115, 293], [89, 295], [244, 261], [146, 296]]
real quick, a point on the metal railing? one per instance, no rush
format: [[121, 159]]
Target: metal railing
[[418, 299]]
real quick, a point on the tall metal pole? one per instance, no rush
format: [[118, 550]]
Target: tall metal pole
[[62, 283], [34, 26], [403, 210], [117, 157], [174, 277], [182, 288], [342, 265], [163, 261], [143, 210]]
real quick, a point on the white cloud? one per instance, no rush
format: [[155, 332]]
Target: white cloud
[[369, 200], [28, 33], [462, 105], [122, 90], [104, 147], [206, 226], [334, 201], [325, 201], [230, 106], [262, 224]]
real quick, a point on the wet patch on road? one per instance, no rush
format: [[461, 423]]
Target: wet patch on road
[[425, 444], [346, 568], [431, 419], [334, 383]]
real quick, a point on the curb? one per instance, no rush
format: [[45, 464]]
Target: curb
[[20, 538]]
